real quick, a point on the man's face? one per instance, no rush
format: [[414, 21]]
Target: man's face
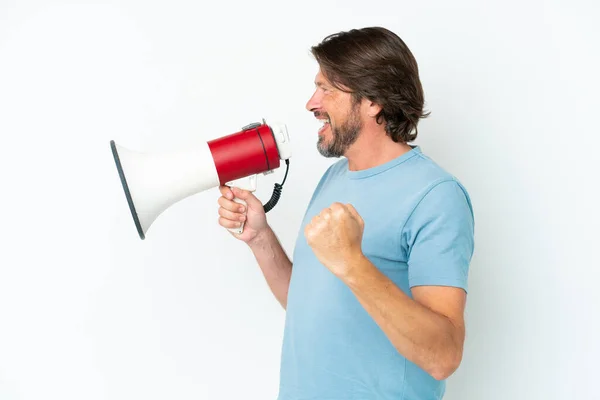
[[340, 115]]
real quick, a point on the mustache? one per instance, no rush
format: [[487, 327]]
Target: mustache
[[321, 114]]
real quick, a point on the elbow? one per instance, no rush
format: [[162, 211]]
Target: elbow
[[444, 369], [440, 374]]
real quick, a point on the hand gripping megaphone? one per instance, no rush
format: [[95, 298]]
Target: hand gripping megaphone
[[152, 182]]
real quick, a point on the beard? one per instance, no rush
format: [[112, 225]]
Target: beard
[[342, 137]]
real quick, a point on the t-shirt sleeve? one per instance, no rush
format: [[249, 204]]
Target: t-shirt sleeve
[[439, 237]]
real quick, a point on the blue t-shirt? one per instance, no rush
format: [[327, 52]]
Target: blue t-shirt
[[418, 230]]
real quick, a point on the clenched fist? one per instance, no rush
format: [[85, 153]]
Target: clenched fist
[[335, 235]]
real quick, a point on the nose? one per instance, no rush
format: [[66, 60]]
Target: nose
[[314, 103]]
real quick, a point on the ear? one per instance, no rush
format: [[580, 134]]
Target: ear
[[373, 108]]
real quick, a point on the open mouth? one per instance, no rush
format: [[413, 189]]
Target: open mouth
[[325, 124]]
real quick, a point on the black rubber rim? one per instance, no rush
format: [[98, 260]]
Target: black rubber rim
[[126, 189]]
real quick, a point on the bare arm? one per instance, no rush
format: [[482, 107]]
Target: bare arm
[[274, 263], [258, 235], [428, 330]]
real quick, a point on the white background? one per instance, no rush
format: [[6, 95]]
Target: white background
[[90, 311]]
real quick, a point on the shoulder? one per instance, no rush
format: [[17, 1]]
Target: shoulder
[[443, 195], [438, 199], [435, 186], [438, 233], [428, 171]]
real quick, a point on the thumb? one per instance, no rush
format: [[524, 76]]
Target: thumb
[[247, 196]]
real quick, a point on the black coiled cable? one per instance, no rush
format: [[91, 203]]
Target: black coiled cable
[[277, 190]]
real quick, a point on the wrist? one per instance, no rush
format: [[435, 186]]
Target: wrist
[[260, 238], [350, 266], [357, 267]]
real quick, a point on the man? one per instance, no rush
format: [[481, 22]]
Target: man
[[376, 295]]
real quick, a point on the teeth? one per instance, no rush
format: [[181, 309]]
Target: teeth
[[323, 122]]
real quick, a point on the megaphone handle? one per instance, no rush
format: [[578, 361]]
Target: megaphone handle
[[240, 229], [246, 183]]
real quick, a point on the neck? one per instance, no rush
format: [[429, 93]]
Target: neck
[[371, 150]]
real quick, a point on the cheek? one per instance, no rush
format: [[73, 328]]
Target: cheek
[[336, 118]]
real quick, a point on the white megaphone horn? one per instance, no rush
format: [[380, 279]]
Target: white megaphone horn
[[154, 181]]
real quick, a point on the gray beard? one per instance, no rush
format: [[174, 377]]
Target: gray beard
[[343, 138]]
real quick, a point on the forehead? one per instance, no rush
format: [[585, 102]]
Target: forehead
[[321, 80]]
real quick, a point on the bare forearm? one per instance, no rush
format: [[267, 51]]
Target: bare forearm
[[428, 339], [274, 263]]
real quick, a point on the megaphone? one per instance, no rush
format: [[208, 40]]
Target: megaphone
[[152, 182]]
